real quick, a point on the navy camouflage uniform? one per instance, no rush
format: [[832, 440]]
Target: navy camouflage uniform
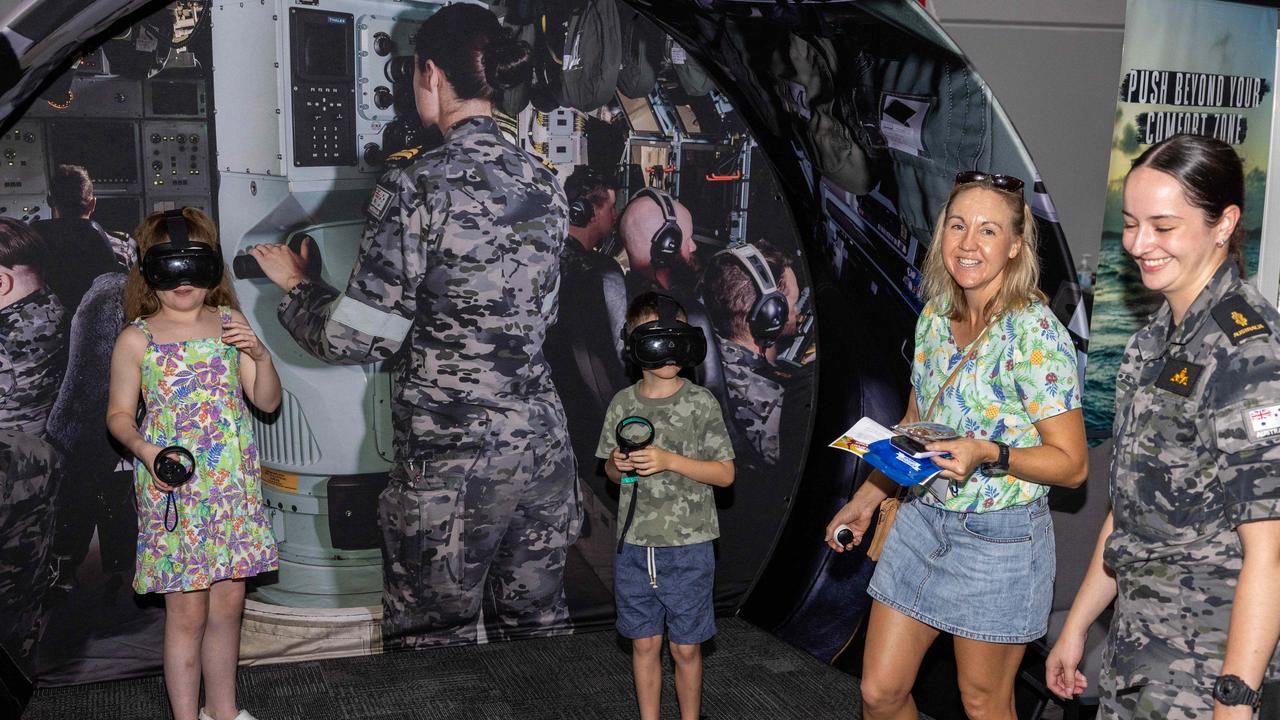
[[33, 358], [755, 399], [459, 267], [28, 472], [1197, 453]]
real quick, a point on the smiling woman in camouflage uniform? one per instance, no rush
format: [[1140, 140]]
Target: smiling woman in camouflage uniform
[[1190, 552], [458, 277]]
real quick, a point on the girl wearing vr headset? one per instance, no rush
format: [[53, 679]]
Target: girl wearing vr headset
[[993, 362], [190, 353]]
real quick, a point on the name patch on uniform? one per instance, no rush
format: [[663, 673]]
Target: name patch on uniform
[[1238, 319], [380, 202], [1179, 376], [1263, 422]]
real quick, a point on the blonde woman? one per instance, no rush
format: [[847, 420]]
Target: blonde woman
[[994, 363]]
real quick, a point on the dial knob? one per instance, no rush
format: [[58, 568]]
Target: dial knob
[[383, 45], [382, 97], [373, 154]]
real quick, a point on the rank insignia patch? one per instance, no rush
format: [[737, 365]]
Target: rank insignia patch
[[1238, 319], [1179, 376]]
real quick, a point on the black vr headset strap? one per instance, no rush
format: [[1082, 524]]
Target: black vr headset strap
[[176, 225], [668, 311]]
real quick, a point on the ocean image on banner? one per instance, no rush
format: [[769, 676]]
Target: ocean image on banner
[[1198, 66]]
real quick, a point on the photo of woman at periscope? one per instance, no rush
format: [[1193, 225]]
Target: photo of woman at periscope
[[1190, 552], [994, 363]]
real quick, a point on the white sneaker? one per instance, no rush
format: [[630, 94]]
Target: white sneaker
[[242, 715]]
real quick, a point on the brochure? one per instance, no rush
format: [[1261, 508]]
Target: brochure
[[873, 442]]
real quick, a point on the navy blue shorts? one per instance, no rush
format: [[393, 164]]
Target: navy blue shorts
[[666, 586]]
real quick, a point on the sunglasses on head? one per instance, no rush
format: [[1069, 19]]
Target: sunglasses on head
[[1008, 183]]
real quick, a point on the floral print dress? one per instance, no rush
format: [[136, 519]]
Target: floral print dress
[[1023, 371], [192, 394]]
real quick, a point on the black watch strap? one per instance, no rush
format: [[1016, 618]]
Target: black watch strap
[[1001, 464], [1231, 690]]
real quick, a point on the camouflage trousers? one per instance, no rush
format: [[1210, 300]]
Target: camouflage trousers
[[28, 472], [489, 528], [1155, 702]]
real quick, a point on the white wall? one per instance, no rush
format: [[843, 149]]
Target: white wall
[[1055, 67]]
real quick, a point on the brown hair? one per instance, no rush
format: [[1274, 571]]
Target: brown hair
[[1021, 276], [731, 292], [139, 299], [20, 245], [1211, 176], [476, 54], [70, 190]]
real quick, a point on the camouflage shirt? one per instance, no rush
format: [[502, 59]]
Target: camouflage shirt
[[1197, 452], [459, 265], [33, 357], [755, 398], [673, 509]]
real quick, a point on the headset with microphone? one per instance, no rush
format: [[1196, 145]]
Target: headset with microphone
[[578, 191], [664, 245], [769, 312]]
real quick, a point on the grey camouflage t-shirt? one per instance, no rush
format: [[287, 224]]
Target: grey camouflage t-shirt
[[672, 509]]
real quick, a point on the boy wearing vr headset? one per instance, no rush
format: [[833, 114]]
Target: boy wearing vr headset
[[664, 571]]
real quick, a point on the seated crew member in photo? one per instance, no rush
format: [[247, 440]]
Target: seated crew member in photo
[[33, 332], [458, 277], [657, 234], [72, 234], [664, 571], [584, 346], [752, 296]]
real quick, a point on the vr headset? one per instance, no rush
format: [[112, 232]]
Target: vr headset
[[667, 340], [180, 261]]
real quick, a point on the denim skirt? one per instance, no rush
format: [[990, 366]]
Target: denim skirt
[[984, 576]]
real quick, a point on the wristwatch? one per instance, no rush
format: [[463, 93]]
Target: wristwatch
[[1001, 464], [1231, 690]]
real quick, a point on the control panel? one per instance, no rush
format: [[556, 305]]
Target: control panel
[[108, 149], [175, 98], [175, 158], [96, 97], [22, 160], [322, 87], [25, 207]]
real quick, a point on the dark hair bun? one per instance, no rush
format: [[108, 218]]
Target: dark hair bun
[[507, 63]]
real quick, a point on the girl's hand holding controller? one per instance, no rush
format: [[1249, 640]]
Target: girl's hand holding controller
[[148, 456]]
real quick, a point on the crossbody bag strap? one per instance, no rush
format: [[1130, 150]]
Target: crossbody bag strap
[[973, 350]]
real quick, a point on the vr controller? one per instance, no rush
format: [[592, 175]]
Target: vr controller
[[175, 465], [843, 535], [633, 433]]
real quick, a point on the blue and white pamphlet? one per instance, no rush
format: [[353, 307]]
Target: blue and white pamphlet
[[872, 442]]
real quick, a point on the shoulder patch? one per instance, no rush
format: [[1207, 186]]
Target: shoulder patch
[[1262, 422], [1179, 376], [380, 201], [403, 158], [1238, 319]]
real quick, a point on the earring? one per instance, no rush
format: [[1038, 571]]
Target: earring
[[1221, 243]]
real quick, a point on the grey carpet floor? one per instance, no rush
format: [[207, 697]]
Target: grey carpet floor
[[748, 674]]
